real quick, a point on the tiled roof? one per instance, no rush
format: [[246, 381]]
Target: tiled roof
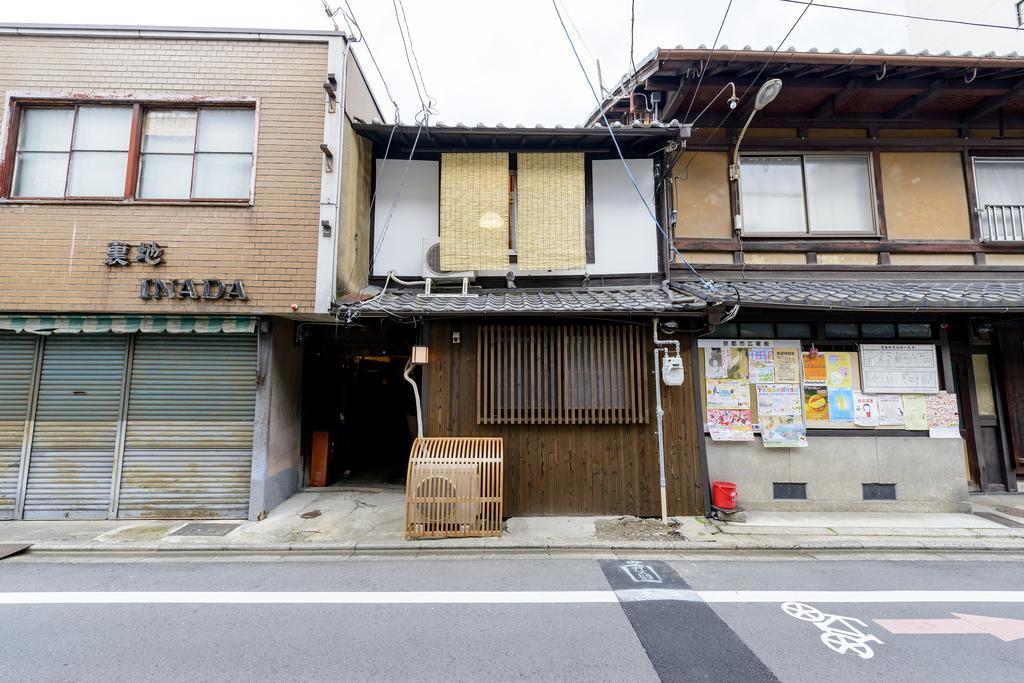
[[649, 299], [876, 294]]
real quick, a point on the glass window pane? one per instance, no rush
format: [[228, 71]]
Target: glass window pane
[[165, 176], [772, 192], [756, 331], [841, 331], [46, 129], [222, 176], [168, 130], [226, 130], [726, 331], [983, 384], [1000, 182], [914, 330], [794, 330], [103, 128], [40, 174], [878, 330], [97, 174], [838, 194]]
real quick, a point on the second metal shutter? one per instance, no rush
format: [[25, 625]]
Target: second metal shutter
[[188, 439]]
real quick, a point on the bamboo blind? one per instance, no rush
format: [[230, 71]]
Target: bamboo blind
[[551, 232], [562, 374], [454, 487], [474, 211]]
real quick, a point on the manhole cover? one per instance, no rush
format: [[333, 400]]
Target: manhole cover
[[312, 514], [8, 549], [204, 529]]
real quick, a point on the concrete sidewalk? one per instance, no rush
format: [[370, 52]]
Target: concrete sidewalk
[[370, 520]]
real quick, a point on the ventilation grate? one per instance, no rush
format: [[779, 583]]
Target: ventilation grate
[[879, 491], [786, 490]]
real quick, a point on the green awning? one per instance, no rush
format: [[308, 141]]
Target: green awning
[[63, 324]]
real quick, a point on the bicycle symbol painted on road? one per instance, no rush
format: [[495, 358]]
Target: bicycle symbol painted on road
[[839, 634]]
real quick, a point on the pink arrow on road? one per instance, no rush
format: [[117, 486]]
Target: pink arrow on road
[[1000, 627]]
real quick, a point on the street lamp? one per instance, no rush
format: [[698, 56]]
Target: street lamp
[[765, 95]]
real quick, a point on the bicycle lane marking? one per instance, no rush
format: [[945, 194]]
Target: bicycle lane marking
[[683, 637]]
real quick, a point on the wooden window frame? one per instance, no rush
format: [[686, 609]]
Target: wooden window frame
[[809, 233], [531, 374], [17, 103]]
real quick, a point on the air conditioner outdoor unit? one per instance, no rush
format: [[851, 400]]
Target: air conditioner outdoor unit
[[432, 271], [444, 496]]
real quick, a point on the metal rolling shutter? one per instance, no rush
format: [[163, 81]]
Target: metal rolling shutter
[[188, 440], [17, 370], [76, 424]]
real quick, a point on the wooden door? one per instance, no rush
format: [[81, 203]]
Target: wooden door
[[981, 423]]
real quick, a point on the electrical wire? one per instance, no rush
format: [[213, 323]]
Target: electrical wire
[[940, 20], [704, 66], [350, 18], [708, 284], [764, 66], [426, 101], [579, 35], [632, 33]]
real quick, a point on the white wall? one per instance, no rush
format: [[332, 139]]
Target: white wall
[[625, 237], [415, 215]]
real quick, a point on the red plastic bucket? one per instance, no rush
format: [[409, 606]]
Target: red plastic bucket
[[723, 494]]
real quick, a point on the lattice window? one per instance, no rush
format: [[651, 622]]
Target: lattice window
[[562, 374]]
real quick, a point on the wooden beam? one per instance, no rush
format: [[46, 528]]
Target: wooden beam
[[990, 105], [830, 106], [868, 245], [912, 104]]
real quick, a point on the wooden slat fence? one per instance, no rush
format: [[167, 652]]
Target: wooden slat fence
[[562, 374]]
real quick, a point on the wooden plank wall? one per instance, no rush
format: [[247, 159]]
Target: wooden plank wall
[[553, 469], [1011, 353]]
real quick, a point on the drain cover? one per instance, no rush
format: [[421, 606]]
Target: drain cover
[[8, 549], [204, 529]]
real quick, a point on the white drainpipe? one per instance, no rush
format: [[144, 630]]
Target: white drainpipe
[[660, 413]]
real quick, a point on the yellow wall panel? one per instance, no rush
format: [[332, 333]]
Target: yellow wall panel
[[848, 259], [1004, 259], [925, 196], [707, 257], [931, 259], [702, 195], [775, 259]]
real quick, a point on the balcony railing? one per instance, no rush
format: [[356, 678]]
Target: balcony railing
[[1002, 223]]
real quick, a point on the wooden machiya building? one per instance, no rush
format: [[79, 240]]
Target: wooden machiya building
[[526, 262], [870, 224]]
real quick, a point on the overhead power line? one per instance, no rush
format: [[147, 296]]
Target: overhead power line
[[708, 284], [426, 101], [862, 10], [704, 66]]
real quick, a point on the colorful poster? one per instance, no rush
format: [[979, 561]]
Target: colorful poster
[[778, 400], [840, 405], [815, 404], [814, 369], [762, 366], [728, 394], [865, 410], [787, 366], [915, 412], [725, 363], [730, 425], [838, 370], [943, 416], [890, 410], [783, 431]]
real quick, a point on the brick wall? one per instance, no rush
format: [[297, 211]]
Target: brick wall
[[51, 255]]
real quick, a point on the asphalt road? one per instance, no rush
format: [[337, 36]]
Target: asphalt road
[[511, 618]]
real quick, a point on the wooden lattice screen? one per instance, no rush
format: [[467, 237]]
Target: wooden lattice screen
[[562, 374], [454, 487]]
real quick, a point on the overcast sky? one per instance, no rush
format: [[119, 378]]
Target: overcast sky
[[499, 61]]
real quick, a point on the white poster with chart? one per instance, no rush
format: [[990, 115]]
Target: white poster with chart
[[899, 369]]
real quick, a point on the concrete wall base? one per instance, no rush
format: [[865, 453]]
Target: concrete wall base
[[930, 474]]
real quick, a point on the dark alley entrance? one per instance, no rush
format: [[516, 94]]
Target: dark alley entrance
[[358, 411]]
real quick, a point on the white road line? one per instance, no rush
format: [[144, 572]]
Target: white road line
[[307, 597], [497, 597], [861, 596]]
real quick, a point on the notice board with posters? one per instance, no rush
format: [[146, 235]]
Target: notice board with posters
[[899, 369]]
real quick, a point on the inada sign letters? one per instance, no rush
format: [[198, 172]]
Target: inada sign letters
[[118, 255]]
